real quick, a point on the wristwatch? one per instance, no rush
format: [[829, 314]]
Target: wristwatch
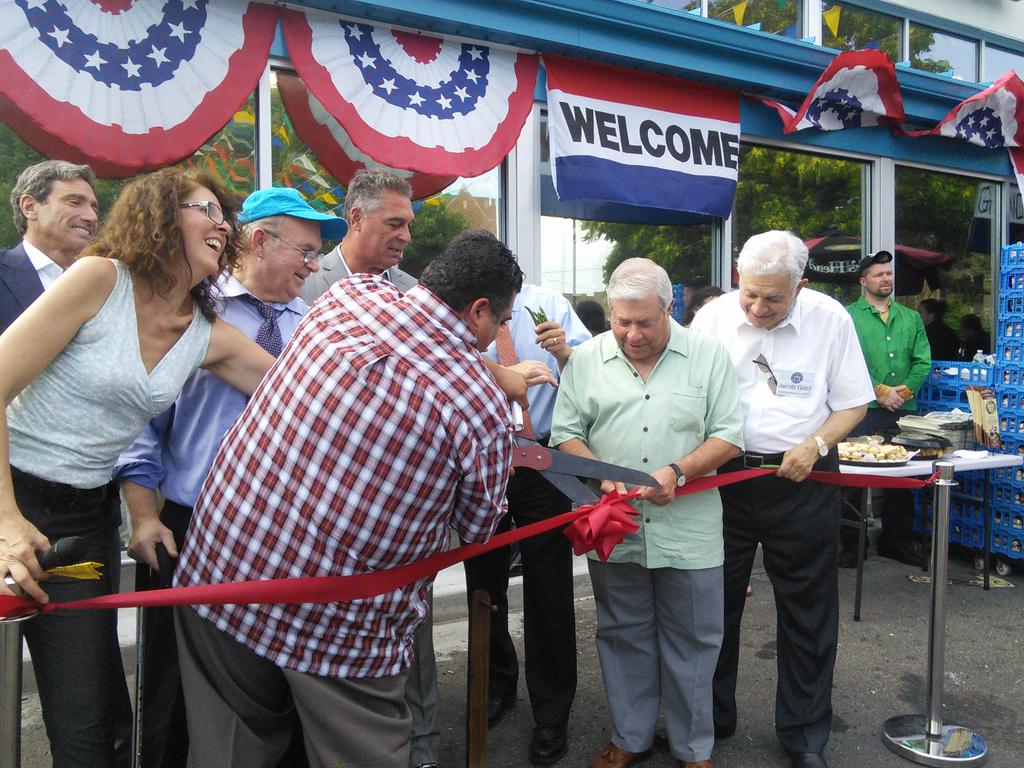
[[822, 445], [680, 475]]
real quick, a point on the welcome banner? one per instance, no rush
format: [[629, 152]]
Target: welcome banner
[[640, 138]]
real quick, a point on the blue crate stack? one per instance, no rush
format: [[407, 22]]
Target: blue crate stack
[[678, 305], [947, 388], [944, 390], [1008, 490]]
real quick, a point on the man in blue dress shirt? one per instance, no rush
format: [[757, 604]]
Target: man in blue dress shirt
[[174, 454], [543, 328]]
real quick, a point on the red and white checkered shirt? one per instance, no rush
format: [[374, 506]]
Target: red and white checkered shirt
[[377, 429]]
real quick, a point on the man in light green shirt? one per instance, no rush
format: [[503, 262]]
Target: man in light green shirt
[[650, 395]]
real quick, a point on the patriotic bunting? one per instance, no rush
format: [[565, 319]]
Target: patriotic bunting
[[437, 106], [332, 145], [128, 86], [641, 139], [993, 118], [858, 89]]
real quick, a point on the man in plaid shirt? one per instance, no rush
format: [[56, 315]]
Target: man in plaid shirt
[[378, 428]]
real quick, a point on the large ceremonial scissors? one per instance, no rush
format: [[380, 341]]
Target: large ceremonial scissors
[[563, 470]]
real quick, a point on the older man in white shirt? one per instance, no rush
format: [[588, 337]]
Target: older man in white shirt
[[803, 386]]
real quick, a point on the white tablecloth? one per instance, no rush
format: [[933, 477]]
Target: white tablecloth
[[925, 467]]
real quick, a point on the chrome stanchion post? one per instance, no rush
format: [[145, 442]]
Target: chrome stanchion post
[[10, 689], [925, 739], [10, 694]]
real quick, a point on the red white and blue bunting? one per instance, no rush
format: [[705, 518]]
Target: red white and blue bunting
[[129, 85], [332, 145], [993, 118], [858, 89], [436, 106]]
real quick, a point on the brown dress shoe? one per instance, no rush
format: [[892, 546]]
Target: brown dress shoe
[[611, 756], [701, 764]]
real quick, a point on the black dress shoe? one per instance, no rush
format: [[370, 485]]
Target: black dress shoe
[[548, 744], [496, 709], [809, 760], [909, 552], [848, 557]]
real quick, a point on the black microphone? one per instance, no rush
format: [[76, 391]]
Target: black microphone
[[66, 551]]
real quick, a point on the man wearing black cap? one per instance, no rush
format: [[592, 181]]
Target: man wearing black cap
[[895, 346]]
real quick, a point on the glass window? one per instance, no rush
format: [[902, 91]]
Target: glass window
[[846, 27], [464, 204], [946, 240], [999, 61], [583, 241], [1016, 230], [230, 153], [935, 51], [820, 199], [780, 17]]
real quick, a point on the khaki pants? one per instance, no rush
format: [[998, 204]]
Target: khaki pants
[[242, 708]]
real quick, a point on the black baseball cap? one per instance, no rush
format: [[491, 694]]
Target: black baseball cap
[[878, 257]]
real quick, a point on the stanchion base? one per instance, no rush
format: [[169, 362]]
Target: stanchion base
[[905, 735]]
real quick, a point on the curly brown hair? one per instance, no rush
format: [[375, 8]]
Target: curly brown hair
[[143, 232]]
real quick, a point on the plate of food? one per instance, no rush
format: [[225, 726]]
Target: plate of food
[[872, 453]]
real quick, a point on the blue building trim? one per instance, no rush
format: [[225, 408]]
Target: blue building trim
[[688, 46], [649, 38]]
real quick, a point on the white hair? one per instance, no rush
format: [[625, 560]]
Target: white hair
[[637, 279], [774, 253]]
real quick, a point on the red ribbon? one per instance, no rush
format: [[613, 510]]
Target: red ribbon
[[595, 527]]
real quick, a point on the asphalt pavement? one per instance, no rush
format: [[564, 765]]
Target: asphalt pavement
[[881, 671]]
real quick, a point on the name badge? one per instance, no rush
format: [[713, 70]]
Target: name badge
[[794, 384]]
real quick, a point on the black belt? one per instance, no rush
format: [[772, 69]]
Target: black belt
[[60, 493], [758, 460]]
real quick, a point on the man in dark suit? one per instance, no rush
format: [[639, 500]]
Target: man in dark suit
[[378, 207], [55, 210]]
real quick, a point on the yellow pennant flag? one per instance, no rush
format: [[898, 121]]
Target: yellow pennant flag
[[739, 10], [831, 18], [88, 571]]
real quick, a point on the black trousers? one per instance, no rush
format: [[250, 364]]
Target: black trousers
[[797, 526], [549, 620], [75, 654], [897, 513], [165, 740]]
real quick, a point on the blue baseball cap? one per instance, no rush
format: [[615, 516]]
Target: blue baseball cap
[[285, 201]]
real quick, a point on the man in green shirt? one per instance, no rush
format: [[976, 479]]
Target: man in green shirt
[[653, 396], [895, 346]]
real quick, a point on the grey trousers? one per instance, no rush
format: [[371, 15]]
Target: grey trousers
[[242, 708], [421, 693], [659, 631]]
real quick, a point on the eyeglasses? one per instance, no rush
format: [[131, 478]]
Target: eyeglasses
[[211, 209], [308, 257], [762, 365]]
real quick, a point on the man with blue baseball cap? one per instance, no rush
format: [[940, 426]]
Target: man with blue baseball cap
[[262, 299], [285, 201]]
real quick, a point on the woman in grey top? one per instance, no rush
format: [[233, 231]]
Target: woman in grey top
[[82, 371]]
